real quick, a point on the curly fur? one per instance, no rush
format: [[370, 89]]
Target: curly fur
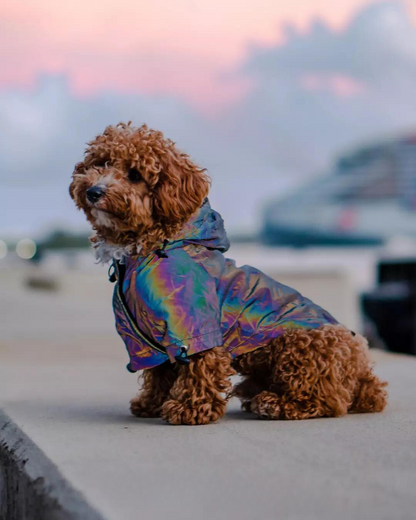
[[192, 394], [157, 383], [316, 373], [303, 374], [139, 214], [197, 395]]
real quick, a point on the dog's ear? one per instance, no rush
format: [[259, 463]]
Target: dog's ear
[[79, 170], [181, 188], [71, 190]]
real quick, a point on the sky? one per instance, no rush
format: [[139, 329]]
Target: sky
[[264, 93]]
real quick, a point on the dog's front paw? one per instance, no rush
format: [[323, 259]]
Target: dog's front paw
[[266, 405], [178, 412], [140, 407]]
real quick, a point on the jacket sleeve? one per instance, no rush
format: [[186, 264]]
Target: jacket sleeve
[[182, 303]]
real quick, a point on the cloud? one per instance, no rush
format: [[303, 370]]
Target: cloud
[[378, 48], [312, 96], [325, 89], [44, 133]]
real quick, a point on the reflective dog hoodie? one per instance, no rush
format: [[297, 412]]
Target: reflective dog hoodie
[[188, 297]]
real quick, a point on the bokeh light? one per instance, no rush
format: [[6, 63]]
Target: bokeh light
[[26, 248]]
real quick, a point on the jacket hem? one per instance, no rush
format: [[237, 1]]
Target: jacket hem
[[195, 344]]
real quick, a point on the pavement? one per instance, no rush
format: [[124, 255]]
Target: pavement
[[64, 385]]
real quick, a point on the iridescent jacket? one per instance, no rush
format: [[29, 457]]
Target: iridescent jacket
[[187, 297]]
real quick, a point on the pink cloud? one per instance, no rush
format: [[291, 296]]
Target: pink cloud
[[338, 84], [176, 48]]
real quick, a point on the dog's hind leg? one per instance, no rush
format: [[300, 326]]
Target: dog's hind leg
[[268, 405], [312, 373], [269, 389], [157, 383]]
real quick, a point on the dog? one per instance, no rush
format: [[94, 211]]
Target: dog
[[190, 318]]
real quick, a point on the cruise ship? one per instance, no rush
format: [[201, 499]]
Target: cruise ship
[[369, 198]]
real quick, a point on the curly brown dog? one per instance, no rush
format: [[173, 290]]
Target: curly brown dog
[[188, 316]]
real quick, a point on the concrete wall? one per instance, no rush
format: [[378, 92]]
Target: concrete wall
[[31, 487]]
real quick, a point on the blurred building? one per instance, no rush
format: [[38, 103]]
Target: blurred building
[[369, 198]]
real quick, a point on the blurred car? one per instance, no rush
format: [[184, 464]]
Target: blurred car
[[391, 307]]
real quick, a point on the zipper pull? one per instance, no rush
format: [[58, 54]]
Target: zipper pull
[[161, 253], [112, 277]]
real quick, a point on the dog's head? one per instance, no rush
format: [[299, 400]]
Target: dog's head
[[136, 187]]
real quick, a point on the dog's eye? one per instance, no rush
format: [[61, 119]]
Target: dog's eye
[[134, 175]]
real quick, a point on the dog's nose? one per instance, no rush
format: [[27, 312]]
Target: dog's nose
[[95, 193]]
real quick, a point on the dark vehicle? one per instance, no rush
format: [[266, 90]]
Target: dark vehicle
[[392, 306]]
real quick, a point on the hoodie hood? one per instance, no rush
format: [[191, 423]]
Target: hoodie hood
[[205, 228]]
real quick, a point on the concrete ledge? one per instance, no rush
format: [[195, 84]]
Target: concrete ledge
[[360, 467], [31, 487], [64, 386]]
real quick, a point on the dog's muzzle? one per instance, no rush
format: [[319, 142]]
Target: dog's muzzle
[[95, 193]]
